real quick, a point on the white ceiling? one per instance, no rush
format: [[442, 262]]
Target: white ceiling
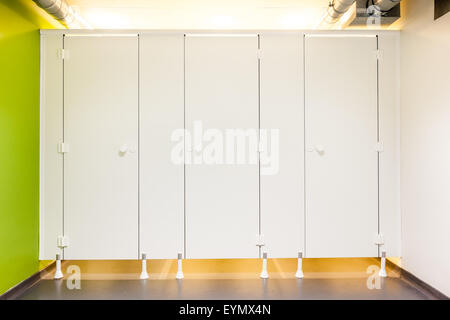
[[201, 14]]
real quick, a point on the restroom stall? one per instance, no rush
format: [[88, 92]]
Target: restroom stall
[[218, 145]]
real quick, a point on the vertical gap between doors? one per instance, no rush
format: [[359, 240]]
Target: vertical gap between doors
[[63, 140], [139, 141], [259, 144], [184, 126], [304, 147], [378, 140]]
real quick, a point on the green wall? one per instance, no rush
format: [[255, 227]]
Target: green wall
[[20, 22]]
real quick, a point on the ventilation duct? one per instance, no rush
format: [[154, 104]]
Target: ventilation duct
[[376, 13], [367, 13], [62, 11], [336, 9]]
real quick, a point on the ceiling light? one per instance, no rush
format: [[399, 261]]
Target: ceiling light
[[222, 21]]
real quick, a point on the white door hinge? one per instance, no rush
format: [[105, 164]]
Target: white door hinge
[[63, 147], [379, 147], [62, 242], [63, 54], [259, 53], [260, 240], [378, 55], [261, 147], [379, 239]]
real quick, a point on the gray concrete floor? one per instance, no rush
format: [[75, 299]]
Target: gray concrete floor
[[248, 289]]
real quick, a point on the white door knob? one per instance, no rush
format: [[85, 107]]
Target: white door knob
[[123, 149], [320, 148]]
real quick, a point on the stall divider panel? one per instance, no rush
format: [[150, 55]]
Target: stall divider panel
[[222, 181], [51, 161], [161, 118], [341, 146], [389, 128], [282, 156], [101, 130]]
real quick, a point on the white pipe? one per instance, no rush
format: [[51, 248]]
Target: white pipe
[[299, 273], [62, 11], [382, 272], [337, 9], [144, 274], [264, 274], [386, 5], [57, 8], [58, 272], [180, 266]]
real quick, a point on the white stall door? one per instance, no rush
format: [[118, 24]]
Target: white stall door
[[340, 140], [221, 189], [101, 128]]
